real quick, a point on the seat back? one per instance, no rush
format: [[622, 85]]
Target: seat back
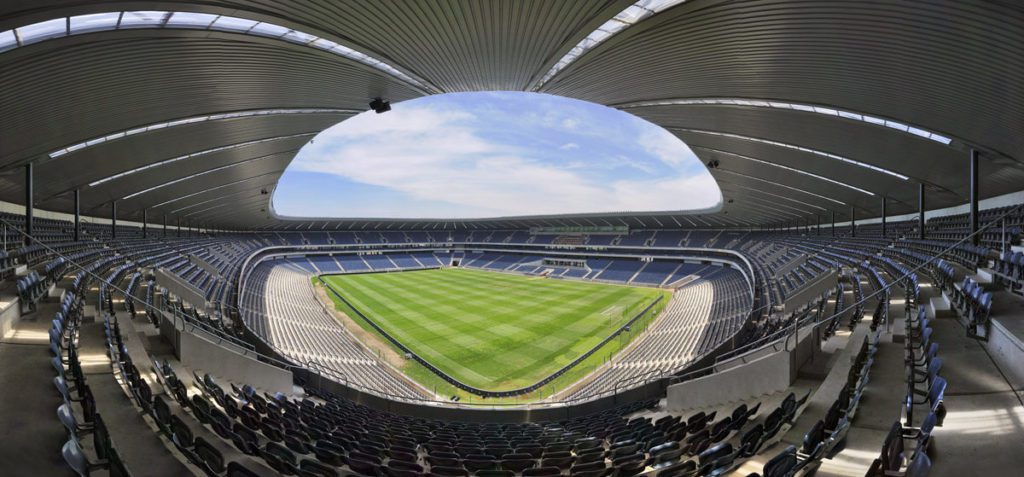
[[75, 458], [933, 368], [833, 416], [209, 454], [814, 438], [67, 418], [920, 466], [781, 464], [180, 432], [936, 392]]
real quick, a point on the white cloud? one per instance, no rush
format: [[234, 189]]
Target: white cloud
[[435, 156], [665, 146], [570, 123]]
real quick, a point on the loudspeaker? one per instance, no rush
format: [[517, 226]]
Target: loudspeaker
[[380, 105]]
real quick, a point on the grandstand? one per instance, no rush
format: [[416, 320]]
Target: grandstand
[[854, 306]]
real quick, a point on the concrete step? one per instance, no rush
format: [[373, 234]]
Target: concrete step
[[56, 293], [940, 307], [899, 330], [986, 278]]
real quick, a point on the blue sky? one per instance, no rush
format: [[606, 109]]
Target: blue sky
[[474, 155]]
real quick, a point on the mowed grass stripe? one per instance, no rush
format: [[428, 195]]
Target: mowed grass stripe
[[529, 354], [473, 338], [438, 305], [491, 330], [389, 313], [514, 352], [492, 313], [525, 346], [535, 313]]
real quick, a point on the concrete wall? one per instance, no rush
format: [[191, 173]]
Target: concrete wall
[[813, 291], [203, 264], [1008, 351], [10, 312], [199, 351], [181, 288], [765, 375], [745, 377]]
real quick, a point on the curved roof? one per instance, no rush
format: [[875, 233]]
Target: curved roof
[[193, 110]]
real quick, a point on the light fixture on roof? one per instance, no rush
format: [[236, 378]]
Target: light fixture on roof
[[380, 105]]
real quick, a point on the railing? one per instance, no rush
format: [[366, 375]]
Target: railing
[[278, 251], [774, 341], [783, 336], [187, 322]]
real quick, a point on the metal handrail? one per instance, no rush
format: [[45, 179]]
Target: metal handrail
[[781, 336], [885, 290]]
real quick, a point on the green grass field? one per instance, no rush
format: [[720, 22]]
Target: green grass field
[[492, 330]]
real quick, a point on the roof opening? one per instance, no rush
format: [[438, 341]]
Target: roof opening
[[495, 154]]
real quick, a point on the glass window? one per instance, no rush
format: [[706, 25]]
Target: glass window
[[874, 120], [43, 30], [631, 14], [896, 125], [8, 40], [94, 22], [233, 24], [191, 20], [268, 29], [658, 5], [324, 44], [142, 19], [918, 132], [298, 37]]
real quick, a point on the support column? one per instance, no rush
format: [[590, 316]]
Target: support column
[[853, 222], [145, 223], [78, 215], [974, 196], [113, 219], [165, 225], [883, 216], [818, 217], [29, 204], [179, 227], [833, 223], [920, 211]]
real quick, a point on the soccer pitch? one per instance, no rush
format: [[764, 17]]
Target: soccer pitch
[[491, 330]]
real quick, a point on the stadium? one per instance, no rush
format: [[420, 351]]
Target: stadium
[[834, 286]]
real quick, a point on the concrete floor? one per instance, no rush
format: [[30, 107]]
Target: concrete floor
[[137, 441], [984, 425], [30, 433], [982, 431]]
